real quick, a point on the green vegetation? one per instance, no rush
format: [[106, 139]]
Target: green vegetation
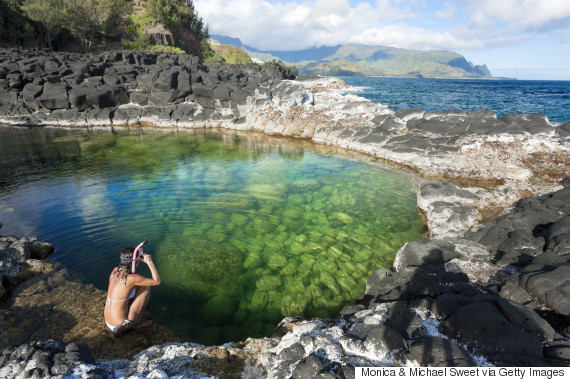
[[15, 28], [365, 60], [178, 17], [228, 54], [47, 13], [294, 69], [166, 49], [51, 23]]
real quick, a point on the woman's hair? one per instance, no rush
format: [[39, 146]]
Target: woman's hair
[[125, 264]]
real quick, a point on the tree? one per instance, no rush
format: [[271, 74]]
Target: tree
[[115, 23], [49, 14], [179, 17], [84, 18]]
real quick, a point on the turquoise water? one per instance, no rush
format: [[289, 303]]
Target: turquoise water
[[244, 229], [548, 97]]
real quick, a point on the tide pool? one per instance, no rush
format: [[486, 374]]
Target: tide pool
[[244, 229]]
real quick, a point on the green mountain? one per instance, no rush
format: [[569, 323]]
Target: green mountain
[[358, 60], [363, 60]]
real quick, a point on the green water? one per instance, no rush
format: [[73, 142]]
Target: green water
[[244, 229]]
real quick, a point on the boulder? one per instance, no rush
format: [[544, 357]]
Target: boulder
[[54, 96], [485, 330], [438, 352], [383, 340], [78, 97], [425, 252], [108, 96], [547, 279], [166, 81], [30, 93]]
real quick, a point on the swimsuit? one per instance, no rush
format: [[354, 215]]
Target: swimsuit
[[126, 323]]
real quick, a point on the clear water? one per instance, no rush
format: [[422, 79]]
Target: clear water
[[244, 229], [551, 98]]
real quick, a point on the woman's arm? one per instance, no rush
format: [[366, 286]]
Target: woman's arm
[[140, 280]]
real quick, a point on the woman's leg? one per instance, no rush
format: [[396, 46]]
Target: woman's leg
[[138, 304]]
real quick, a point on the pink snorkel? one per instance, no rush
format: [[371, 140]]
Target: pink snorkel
[[136, 254]]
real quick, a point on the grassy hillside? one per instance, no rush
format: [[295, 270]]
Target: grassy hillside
[[363, 60], [229, 54], [389, 61], [338, 67]]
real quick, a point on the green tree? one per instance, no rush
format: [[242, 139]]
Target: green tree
[[178, 16], [84, 18], [115, 23], [49, 14], [15, 28]]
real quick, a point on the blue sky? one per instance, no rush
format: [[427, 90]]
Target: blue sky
[[526, 39]]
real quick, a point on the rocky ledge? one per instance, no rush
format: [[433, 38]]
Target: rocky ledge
[[488, 288]]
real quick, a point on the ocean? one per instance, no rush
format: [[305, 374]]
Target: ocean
[[551, 98]]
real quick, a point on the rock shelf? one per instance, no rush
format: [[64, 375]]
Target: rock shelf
[[489, 286]]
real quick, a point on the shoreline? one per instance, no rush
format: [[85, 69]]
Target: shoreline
[[466, 267]]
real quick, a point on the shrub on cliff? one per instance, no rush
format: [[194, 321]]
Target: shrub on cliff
[[180, 17], [102, 21], [228, 54]]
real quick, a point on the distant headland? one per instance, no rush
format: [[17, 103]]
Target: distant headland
[[364, 60]]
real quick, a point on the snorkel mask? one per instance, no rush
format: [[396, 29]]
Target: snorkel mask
[[137, 254]]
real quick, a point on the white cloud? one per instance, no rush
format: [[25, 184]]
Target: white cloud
[[400, 35], [447, 13], [300, 24], [524, 15], [292, 25]]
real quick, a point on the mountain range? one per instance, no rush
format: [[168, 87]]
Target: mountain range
[[364, 60]]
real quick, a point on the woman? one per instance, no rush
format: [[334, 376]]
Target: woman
[[128, 293]]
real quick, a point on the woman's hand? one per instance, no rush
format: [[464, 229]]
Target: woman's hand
[[146, 258]]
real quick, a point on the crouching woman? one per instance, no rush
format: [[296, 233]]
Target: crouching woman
[[128, 293]]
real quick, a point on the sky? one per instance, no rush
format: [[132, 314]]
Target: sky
[[524, 39]]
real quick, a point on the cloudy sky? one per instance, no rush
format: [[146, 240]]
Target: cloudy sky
[[526, 39]]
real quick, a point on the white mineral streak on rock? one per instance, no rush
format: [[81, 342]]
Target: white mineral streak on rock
[[432, 327], [429, 322], [398, 261], [477, 270]]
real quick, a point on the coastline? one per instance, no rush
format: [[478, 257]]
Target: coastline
[[524, 155]]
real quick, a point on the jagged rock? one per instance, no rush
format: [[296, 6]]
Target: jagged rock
[[558, 350], [546, 279], [54, 96], [44, 359], [78, 97], [423, 253], [108, 96], [437, 351], [530, 219], [482, 327], [557, 236]]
